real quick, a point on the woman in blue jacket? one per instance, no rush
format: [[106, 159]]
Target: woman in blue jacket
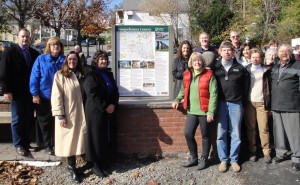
[[41, 80]]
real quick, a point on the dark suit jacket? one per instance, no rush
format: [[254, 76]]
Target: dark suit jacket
[[14, 72]]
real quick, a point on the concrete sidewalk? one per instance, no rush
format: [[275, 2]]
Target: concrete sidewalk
[[8, 153]]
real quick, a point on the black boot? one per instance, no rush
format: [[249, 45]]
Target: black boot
[[98, 170], [72, 169], [191, 162]]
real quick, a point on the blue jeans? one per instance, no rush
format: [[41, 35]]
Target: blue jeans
[[229, 120], [22, 119]]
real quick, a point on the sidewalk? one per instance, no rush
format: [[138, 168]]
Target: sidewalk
[[8, 153]]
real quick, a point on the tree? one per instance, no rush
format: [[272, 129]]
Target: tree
[[213, 18], [4, 21], [20, 11], [85, 15], [166, 11], [289, 19], [53, 14]]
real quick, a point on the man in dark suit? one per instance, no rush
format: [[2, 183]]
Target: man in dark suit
[[15, 69]]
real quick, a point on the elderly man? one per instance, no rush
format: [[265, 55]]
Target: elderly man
[[233, 80], [15, 68], [285, 104], [81, 55], [235, 40]]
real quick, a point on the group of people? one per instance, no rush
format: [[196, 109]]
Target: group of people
[[75, 104], [235, 87]]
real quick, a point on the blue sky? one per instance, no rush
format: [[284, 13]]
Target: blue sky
[[115, 2]]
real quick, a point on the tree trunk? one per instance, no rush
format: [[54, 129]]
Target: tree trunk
[[79, 38], [57, 32], [21, 24]]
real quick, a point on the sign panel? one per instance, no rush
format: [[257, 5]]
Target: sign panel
[[142, 56]]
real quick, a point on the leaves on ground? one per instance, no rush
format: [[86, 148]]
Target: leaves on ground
[[109, 181], [135, 175], [15, 173], [153, 182]]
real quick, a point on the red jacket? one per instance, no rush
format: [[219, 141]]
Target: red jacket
[[203, 88]]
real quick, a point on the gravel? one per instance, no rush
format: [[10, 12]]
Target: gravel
[[150, 171]]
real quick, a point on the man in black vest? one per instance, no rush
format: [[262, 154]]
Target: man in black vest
[[15, 69]]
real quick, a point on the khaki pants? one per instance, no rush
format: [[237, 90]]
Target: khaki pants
[[255, 112]]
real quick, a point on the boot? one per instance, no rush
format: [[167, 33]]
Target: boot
[[98, 170], [72, 169], [191, 162]]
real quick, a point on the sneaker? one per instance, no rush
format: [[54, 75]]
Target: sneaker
[[296, 166], [236, 167], [267, 159], [253, 157], [191, 162], [203, 163], [223, 167], [277, 159]]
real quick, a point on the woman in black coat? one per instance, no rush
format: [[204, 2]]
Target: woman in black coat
[[180, 64], [101, 98]]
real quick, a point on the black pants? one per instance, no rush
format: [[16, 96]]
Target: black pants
[[45, 124], [192, 122]]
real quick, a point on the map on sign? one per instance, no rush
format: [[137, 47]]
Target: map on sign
[[137, 45]]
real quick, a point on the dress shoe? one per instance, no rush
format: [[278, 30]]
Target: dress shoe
[[21, 151], [279, 159], [99, 172], [49, 150], [74, 174], [190, 163], [32, 149]]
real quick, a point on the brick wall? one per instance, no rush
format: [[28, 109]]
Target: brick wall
[[4, 107], [155, 130]]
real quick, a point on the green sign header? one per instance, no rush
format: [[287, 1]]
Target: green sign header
[[143, 28]]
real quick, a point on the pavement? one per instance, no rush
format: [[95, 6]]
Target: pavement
[[8, 153]]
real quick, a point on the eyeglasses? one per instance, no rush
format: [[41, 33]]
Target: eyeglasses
[[235, 36]]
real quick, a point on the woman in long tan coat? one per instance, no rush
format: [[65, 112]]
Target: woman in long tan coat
[[67, 107]]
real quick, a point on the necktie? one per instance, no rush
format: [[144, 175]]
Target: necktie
[[27, 56]]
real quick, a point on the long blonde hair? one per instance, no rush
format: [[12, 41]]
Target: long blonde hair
[[52, 41]]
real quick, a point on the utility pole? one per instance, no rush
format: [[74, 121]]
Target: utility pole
[[244, 9]]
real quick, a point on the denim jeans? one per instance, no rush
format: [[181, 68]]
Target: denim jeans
[[22, 120], [229, 120]]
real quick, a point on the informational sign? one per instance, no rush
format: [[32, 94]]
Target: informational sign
[[142, 60]]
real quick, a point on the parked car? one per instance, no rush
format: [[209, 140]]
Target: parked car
[[6, 43], [91, 42], [109, 59], [39, 47]]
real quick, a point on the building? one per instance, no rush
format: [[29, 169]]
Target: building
[[39, 33], [133, 14]]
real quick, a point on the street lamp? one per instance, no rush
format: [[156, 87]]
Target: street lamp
[[87, 47]]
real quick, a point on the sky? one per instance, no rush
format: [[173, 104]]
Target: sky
[[115, 2]]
